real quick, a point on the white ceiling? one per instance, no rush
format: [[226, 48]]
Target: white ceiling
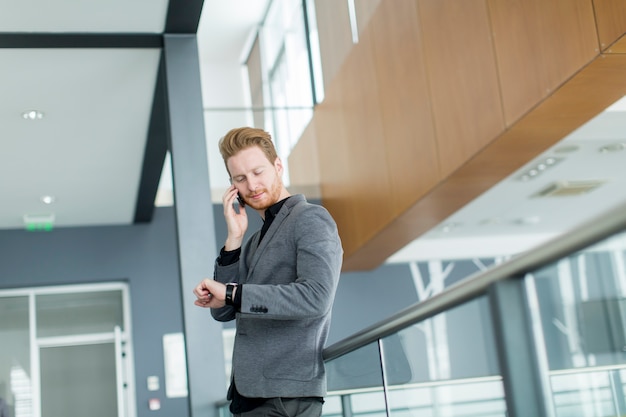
[[511, 217], [71, 16], [87, 150]]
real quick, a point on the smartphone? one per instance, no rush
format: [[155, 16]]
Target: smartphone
[[240, 200]]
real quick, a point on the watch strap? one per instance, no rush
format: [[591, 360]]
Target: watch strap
[[229, 294]]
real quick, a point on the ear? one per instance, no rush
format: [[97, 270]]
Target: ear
[[278, 164]]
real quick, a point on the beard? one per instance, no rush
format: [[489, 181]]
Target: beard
[[271, 196]]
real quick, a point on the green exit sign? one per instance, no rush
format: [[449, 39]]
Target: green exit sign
[[39, 227], [39, 222]]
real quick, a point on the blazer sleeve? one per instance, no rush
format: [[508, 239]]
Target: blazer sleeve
[[225, 274]]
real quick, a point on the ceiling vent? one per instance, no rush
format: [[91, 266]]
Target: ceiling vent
[[569, 188]]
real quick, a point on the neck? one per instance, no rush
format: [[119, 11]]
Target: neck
[[283, 194]]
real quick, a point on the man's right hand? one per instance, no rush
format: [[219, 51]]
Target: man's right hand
[[236, 222]]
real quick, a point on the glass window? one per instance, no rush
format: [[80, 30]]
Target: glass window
[[428, 369], [289, 58], [79, 313], [581, 306]]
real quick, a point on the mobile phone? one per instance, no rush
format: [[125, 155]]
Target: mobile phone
[[240, 200]]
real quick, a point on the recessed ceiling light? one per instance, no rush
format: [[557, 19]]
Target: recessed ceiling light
[[527, 221], [614, 147], [566, 149], [32, 115], [491, 220], [48, 199], [448, 227], [539, 167]]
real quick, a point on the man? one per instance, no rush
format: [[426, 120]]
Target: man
[[279, 285]]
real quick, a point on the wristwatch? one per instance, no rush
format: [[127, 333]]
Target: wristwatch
[[230, 287]]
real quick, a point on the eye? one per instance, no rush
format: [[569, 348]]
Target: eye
[[240, 179], [258, 172]]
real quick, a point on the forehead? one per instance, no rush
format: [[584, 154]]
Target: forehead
[[247, 159]]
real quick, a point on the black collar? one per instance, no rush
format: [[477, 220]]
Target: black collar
[[270, 214], [273, 210]]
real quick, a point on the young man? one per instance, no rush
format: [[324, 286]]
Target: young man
[[279, 285]]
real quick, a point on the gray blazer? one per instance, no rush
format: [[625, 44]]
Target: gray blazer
[[289, 283]]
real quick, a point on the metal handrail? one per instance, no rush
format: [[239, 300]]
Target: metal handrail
[[587, 234]]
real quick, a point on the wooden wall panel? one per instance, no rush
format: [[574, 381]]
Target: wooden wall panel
[[364, 10], [368, 178], [592, 89], [304, 162], [463, 79], [539, 44], [335, 165], [335, 36], [410, 145], [610, 19]]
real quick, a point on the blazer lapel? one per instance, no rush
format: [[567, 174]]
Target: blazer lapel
[[269, 235]]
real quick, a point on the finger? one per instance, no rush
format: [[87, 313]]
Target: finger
[[201, 304], [200, 290], [229, 201], [230, 193]]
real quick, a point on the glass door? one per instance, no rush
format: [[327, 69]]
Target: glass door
[[66, 351], [79, 380]]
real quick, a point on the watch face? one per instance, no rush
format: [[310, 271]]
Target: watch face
[[229, 294]]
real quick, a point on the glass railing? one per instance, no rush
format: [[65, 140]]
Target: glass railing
[[543, 334]]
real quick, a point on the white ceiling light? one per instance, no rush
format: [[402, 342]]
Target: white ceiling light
[[48, 199], [538, 168], [448, 227], [527, 221], [566, 149], [32, 115], [491, 220], [614, 147]]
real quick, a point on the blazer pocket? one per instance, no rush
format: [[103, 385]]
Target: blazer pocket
[[293, 356]]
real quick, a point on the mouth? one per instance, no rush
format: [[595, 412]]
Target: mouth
[[256, 196]]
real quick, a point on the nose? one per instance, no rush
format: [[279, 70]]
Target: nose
[[251, 187]]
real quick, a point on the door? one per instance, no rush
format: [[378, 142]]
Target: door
[[79, 380], [82, 354], [67, 351]]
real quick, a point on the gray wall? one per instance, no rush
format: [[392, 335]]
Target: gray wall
[[143, 255]]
